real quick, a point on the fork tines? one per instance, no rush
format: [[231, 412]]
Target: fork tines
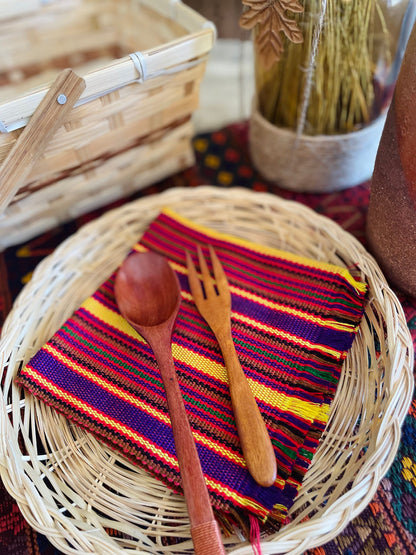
[[212, 288]]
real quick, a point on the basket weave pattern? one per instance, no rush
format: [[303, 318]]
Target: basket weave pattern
[[131, 126], [72, 488]]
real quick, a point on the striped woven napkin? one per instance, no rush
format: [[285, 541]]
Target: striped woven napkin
[[293, 322]]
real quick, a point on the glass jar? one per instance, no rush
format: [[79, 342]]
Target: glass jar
[[353, 71], [328, 67]]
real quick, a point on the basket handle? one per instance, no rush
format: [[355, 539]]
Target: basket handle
[[29, 147]]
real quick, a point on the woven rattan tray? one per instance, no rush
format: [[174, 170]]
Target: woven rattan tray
[[73, 489]]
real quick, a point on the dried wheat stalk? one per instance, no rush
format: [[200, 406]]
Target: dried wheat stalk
[[353, 56]]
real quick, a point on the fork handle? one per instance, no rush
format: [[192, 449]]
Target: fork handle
[[254, 438]]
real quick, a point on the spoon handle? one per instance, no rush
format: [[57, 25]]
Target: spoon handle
[[205, 532]]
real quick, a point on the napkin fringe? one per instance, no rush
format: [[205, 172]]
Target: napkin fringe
[[249, 525], [255, 535]]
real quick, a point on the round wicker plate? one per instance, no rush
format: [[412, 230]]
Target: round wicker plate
[[76, 491]]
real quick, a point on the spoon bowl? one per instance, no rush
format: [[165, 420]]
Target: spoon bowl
[[148, 295], [147, 290]]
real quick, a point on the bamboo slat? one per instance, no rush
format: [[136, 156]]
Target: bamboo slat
[[36, 135]]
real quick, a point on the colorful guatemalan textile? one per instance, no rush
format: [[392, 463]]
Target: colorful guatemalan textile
[[293, 322]]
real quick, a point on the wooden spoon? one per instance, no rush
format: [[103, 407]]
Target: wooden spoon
[[148, 296]]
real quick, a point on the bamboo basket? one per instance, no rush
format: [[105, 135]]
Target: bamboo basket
[[142, 62], [74, 489]]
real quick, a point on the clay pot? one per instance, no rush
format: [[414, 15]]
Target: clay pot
[[391, 223]]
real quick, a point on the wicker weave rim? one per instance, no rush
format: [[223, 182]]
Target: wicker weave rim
[[72, 488]]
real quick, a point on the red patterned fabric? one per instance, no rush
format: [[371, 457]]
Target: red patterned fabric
[[293, 322]]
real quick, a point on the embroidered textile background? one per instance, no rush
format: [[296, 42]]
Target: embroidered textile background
[[387, 525]]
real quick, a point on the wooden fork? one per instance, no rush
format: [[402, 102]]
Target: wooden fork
[[215, 308]]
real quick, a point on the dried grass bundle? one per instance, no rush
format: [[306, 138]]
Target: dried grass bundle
[[347, 86]]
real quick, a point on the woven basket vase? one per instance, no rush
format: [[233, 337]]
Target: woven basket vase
[[73, 488], [132, 124]]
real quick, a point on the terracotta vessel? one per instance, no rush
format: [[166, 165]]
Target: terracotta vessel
[[391, 223]]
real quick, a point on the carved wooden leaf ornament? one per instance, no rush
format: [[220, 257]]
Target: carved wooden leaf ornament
[[271, 20]]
